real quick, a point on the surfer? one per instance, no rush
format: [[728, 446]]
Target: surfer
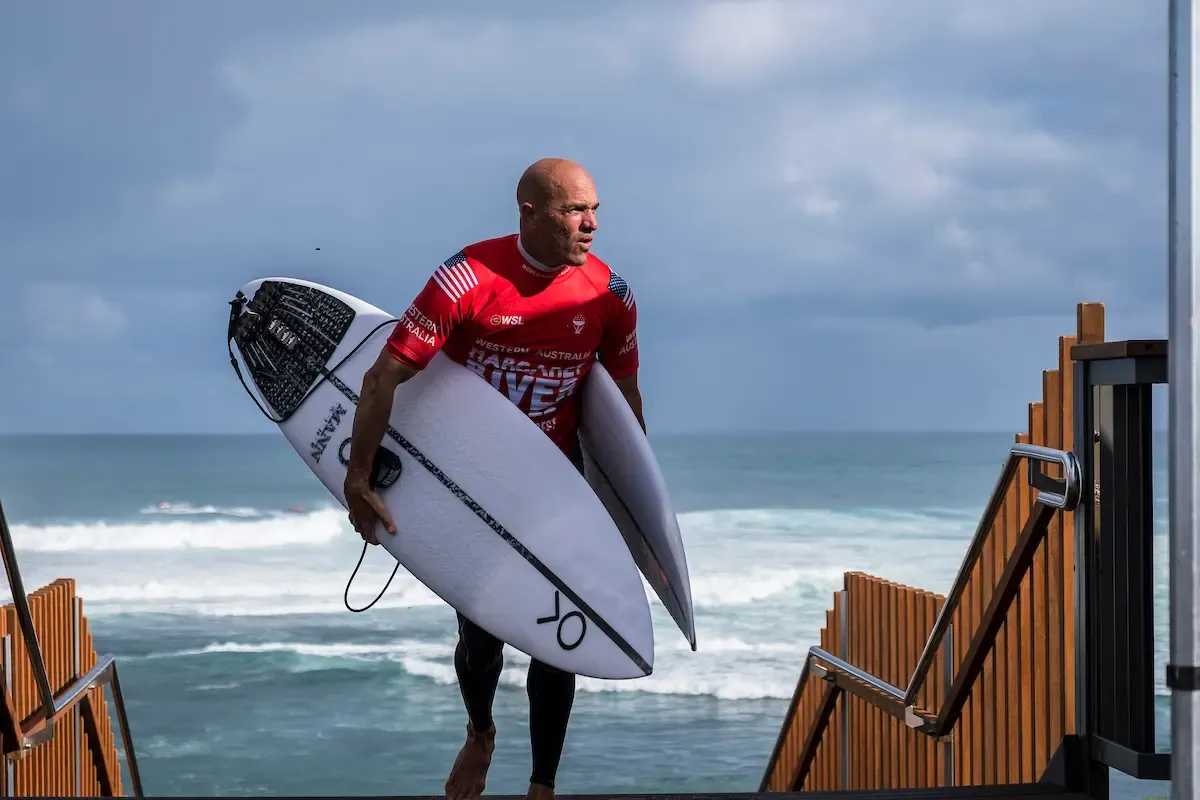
[[530, 313]]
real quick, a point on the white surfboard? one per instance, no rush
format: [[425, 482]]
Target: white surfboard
[[490, 515], [622, 469]]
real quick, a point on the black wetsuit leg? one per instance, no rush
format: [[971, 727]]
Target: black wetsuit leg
[[478, 660], [551, 694]]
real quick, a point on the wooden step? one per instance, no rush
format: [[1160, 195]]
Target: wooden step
[[1043, 791]]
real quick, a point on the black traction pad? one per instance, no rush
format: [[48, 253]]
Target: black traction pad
[[286, 337]]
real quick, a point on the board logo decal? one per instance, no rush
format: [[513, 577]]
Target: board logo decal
[[282, 334], [332, 421], [563, 621]]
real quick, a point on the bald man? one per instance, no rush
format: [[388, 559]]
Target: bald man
[[530, 313]]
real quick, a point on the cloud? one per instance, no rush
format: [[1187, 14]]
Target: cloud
[[949, 167], [841, 183], [72, 313]]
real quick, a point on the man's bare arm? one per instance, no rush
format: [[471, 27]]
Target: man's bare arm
[[374, 410], [629, 389]]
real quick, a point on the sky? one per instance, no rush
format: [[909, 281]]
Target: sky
[[877, 215]]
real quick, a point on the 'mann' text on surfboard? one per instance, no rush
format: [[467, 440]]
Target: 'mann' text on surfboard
[[317, 446]]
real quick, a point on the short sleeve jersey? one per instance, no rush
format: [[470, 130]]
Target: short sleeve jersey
[[533, 334]]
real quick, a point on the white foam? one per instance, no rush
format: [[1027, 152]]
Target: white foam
[[745, 563], [313, 528], [187, 509], [762, 580], [729, 668], [339, 650]]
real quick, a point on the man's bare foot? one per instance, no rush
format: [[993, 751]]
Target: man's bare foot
[[539, 792], [468, 776]]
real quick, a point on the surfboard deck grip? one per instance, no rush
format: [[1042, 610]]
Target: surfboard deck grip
[[286, 336]]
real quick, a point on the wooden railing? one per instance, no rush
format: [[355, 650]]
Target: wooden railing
[[55, 733], [79, 758], [987, 700]]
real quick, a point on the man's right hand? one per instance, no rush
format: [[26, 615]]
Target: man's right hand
[[366, 508], [370, 421]]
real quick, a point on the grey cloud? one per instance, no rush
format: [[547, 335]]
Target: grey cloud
[[938, 163]]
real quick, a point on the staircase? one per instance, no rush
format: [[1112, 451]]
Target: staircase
[[1036, 669]]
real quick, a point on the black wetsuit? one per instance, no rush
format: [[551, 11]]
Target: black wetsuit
[[478, 659]]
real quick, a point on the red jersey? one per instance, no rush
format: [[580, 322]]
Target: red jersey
[[532, 332]]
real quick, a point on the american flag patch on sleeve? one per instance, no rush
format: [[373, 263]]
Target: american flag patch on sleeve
[[618, 286], [455, 276]]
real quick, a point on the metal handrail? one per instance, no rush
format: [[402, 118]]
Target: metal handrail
[[105, 671], [1066, 499], [1061, 494], [856, 673]]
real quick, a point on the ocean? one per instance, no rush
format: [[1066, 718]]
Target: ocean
[[214, 568]]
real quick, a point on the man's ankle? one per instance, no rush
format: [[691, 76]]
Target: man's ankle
[[476, 734]]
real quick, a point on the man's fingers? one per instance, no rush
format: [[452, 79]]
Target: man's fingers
[[366, 510], [381, 511]]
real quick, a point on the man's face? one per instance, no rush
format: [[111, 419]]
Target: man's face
[[563, 229]]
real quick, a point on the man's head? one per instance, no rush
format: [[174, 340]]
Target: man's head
[[558, 204]]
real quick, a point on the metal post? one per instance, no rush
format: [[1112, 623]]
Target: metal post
[[10, 766], [1183, 387], [844, 652], [947, 682]]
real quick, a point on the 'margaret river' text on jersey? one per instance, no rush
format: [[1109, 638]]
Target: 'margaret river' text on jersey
[[532, 332]]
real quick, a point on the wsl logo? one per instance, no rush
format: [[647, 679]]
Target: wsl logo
[[503, 320]]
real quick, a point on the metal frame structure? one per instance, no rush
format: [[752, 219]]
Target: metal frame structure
[[1114, 562], [1183, 670]]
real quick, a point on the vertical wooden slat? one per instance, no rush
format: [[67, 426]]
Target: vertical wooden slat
[[930, 694], [858, 627], [976, 697], [1066, 371], [817, 774], [908, 596], [987, 700], [1014, 722], [835, 739], [1052, 420], [893, 670], [1040, 661], [880, 668], [1000, 659], [886, 662], [827, 741], [1029, 721], [874, 644], [54, 636], [962, 734]]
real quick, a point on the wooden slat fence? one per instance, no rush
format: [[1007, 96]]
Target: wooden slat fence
[[1023, 701], [82, 740]]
